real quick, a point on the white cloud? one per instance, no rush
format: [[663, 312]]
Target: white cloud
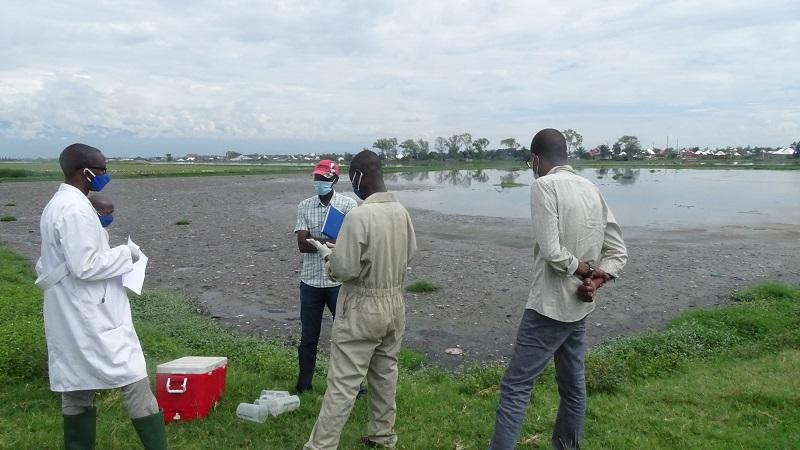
[[713, 73]]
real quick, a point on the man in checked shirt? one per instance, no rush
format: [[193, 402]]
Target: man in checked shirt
[[572, 230], [317, 290]]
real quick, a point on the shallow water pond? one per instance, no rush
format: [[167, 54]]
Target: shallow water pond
[[639, 197]]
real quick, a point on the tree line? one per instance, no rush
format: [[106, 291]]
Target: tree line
[[465, 147], [458, 146]]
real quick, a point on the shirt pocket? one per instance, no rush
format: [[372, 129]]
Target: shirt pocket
[[101, 311]]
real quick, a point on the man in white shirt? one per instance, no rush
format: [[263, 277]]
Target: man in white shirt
[[317, 290], [578, 246], [91, 343]]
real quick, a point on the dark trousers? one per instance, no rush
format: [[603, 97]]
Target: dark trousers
[[313, 301], [540, 338]]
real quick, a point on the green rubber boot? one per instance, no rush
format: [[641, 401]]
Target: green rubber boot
[[151, 431], [80, 431]]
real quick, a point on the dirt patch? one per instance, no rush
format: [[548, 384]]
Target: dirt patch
[[238, 258]]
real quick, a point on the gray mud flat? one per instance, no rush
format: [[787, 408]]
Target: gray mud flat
[[238, 258]]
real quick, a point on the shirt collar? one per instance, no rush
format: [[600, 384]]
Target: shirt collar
[[70, 188], [565, 168], [380, 197], [330, 202]]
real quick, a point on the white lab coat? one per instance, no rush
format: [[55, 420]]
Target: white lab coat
[[91, 343]]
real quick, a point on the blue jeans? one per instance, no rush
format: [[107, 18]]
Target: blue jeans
[[540, 338], [313, 301]]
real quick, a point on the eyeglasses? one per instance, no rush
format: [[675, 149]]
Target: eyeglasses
[[98, 169]]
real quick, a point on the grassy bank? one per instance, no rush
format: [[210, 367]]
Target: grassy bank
[[716, 379], [49, 170]]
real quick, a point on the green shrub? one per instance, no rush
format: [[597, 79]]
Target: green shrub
[[15, 173], [410, 360], [23, 353], [479, 379], [766, 319], [769, 290], [422, 286], [505, 184]]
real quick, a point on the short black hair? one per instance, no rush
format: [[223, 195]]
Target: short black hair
[[549, 144], [77, 156], [367, 162]]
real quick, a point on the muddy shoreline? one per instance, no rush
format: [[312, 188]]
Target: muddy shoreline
[[238, 258]]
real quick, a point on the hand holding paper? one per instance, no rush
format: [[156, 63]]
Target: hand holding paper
[[134, 280], [136, 251]]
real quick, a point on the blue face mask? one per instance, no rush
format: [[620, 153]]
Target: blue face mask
[[323, 187], [97, 182], [105, 221], [357, 186]]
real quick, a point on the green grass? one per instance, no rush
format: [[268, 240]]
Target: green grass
[[183, 222], [8, 219], [717, 379], [422, 286], [510, 184], [49, 169]]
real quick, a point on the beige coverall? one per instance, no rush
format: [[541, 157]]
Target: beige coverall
[[372, 252]]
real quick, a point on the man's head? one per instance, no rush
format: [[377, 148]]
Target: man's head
[[548, 150], [84, 167], [366, 174], [326, 174], [104, 208]]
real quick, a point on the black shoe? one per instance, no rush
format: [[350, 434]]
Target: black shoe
[[372, 444]]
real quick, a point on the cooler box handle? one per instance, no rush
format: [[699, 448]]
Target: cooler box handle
[[182, 389]]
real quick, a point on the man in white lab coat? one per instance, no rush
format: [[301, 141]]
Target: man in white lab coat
[[91, 343]]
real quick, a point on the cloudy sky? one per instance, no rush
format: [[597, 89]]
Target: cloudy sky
[[146, 78]]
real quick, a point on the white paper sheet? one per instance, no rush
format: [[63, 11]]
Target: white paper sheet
[[134, 280]]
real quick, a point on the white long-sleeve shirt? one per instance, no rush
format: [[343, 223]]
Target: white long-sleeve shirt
[[91, 343], [571, 223]]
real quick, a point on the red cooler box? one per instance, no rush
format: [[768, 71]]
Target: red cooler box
[[187, 388]]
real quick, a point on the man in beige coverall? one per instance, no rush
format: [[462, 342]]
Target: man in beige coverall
[[370, 258]]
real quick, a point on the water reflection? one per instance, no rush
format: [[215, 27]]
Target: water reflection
[[661, 197], [480, 176], [627, 176], [463, 178], [509, 178]]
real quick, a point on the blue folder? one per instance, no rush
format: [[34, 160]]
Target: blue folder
[[333, 222]]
